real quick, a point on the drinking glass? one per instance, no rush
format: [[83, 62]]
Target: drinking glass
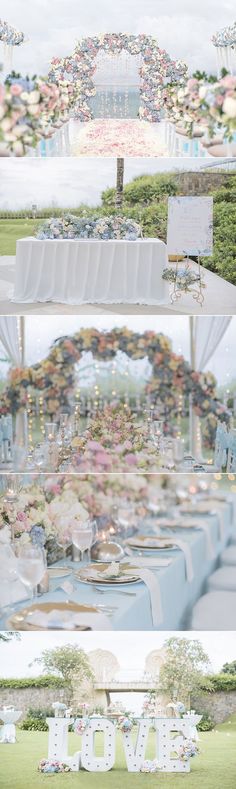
[[84, 535], [39, 456], [31, 567]]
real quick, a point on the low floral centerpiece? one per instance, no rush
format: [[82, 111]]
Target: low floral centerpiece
[[105, 228]]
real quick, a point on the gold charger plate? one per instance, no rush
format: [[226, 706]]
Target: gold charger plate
[[145, 542], [85, 576], [59, 572], [18, 621]]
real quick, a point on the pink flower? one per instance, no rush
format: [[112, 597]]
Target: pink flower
[[16, 90], [95, 445], [228, 81], [131, 459]]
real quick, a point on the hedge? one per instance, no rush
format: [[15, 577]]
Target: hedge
[[34, 682], [218, 682]]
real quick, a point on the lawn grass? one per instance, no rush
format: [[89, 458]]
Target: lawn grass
[[214, 768], [12, 229]]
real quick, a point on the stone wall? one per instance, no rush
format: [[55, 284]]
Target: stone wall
[[23, 698], [218, 705], [201, 183]]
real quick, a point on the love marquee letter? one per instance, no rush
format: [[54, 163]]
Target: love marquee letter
[[58, 742], [135, 754], [88, 759]]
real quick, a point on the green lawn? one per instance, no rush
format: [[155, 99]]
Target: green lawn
[[12, 229], [215, 768]]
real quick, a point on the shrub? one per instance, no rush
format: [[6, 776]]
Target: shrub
[[206, 723], [33, 724]]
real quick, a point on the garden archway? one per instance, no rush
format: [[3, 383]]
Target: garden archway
[[56, 376], [157, 69]]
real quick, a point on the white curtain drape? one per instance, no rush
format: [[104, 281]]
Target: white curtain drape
[[205, 336], [12, 339]]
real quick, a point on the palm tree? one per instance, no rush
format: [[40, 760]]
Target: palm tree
[[119, 182]]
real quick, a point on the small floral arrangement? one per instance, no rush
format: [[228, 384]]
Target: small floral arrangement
[[9, 35], [188, 750], [53, 766], [149, 766], [28, 107], [80, 725], [125, 724], [183, 278], [105, 228]]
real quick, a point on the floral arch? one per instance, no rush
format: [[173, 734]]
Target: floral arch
[[171, 374], [156, 71]]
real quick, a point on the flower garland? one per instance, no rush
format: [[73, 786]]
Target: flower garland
[[171, 374], [205, 105], [157, 67], [10, 36], [53, 766], [69, 226]]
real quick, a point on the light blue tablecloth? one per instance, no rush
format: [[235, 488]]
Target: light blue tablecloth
[[177, 594]]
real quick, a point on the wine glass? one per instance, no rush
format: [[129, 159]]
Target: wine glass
[[31, 567], [84, 535], [39, 456], [8, 576], [157, 433], [64, 538]]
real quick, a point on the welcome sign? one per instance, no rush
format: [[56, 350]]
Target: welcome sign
[[170, 736], [190, 226]]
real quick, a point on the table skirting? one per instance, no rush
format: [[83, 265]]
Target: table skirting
[[90, 271]]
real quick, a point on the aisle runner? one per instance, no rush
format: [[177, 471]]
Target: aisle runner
[[112, 137]]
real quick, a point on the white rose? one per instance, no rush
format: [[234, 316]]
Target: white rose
[[6, 124], [229, 107], [33, 97], [203, 91]]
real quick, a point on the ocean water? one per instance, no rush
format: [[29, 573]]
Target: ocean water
[[115, 102]]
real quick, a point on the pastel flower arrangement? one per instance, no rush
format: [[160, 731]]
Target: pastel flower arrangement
[[9, 35], [171, 374], [183, 278], [150, 766], [205, 105], [53, 766], [187, 750], [125, 724], [30, 109], [105, 228], [225, 37], [156, 68], [114, 439], [80, 725], [42, 514]]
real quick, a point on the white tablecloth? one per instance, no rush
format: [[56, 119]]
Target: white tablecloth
[[87, 271], [8, 730]]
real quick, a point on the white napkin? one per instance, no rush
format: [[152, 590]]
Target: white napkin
[[204, 526], [152, 583], [68, 620], [146, 561], [187, 555]]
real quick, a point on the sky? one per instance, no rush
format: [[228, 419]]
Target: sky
[[182, 27], [131, 649], [67, 182]]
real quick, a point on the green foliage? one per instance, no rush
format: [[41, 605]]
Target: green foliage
[[68, 662], [33, 682], [142, 191], [181, 673], [218, 682], [206, 723], [33, 724], [229, 668]]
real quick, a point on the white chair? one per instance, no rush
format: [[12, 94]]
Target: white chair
[[228, 556], [223, 579], [231, 459], [215, 611], [221, 446]]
